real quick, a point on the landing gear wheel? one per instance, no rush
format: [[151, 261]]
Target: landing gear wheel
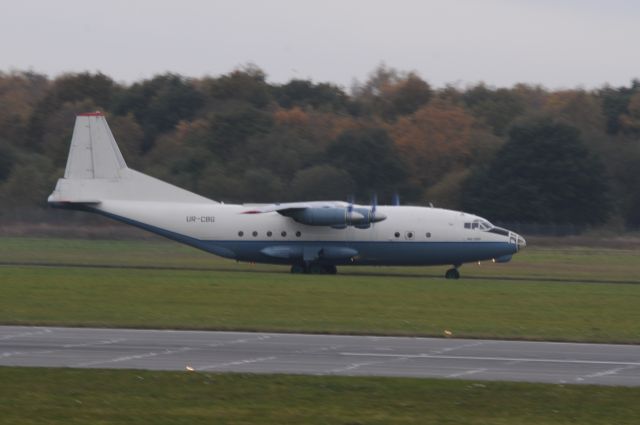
[[316, 269], [452, 274], [297, 269], [330, 269]]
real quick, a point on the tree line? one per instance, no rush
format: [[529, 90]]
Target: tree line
[[518, 154]]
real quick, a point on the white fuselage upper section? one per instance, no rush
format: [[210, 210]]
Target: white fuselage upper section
[[221, 222]]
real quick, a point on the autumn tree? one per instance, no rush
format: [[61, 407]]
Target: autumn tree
[[615, 104], [7, 159], [84, 88], [246, 84], [434, 140], [159, 104], [389, 93], [324, 182], [543, 174], [20, 92], [370, 158], [304, 93], [579, 109], [495, 107], [234, 127], [630, 120]]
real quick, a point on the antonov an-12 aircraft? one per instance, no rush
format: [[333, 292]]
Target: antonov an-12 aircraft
[[312, 237]]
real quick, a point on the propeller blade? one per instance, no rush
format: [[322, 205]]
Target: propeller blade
[[396, 199]]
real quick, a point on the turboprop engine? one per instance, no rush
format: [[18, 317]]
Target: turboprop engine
[[335, 217]]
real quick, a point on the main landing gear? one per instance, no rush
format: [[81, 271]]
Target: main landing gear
[[452, 273], [314, 268]]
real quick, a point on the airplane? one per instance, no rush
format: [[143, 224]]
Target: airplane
[[311, 237]]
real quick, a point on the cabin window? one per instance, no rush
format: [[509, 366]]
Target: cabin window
[[283, 233], [428, 234], [396, 234], [255, 233], [269, 233], [409, 235], [298, 234], [467, 225], [241, 233]]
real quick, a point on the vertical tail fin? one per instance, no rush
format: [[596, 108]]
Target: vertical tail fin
[[94, 153], [96, 171]]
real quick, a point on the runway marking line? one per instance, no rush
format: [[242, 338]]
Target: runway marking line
[[238, 341], [459, 347], [134, 357], [40, 352], [605, 373], [503, 359], [236, 363], [466, 373], [97, 343], [23, 334]]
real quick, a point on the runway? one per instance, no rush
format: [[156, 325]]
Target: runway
[[205, 351]]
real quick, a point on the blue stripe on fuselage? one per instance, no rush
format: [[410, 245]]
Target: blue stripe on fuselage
[[381, 252]]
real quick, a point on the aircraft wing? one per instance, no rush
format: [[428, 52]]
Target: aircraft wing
[[293, 206], [337, 214]]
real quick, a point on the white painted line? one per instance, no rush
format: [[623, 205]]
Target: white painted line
[[90, 344], [466, 373], [239, 341], [25, 353], [501, 359], [40, 352], [23, 334], [459, 347], [352, 366], [236, 363], [134, 357], [604, 373]]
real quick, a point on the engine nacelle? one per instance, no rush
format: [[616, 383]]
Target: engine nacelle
[[324, 216], [334, 217]]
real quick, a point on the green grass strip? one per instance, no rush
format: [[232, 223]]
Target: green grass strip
[[366, 304], [543, 294], [65, 396]]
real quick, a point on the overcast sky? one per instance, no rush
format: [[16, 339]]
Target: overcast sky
[[559, 44]]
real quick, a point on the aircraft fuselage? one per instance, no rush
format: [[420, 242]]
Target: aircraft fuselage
[[408, 236]]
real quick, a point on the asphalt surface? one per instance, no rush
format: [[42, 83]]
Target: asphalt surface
[[549, 362]]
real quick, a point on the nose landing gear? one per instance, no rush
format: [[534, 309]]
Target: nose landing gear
[[452, 273]]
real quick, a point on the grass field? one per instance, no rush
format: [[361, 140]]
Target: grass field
[[553, 294], [65, 396], [578, 294]]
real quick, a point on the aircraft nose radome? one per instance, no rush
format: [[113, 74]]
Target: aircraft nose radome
[[521, 242]]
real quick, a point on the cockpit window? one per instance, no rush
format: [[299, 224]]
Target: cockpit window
[[483, 225]]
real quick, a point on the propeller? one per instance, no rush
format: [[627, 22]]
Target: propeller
[[374, 204], [372, 214], [349, 211]]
